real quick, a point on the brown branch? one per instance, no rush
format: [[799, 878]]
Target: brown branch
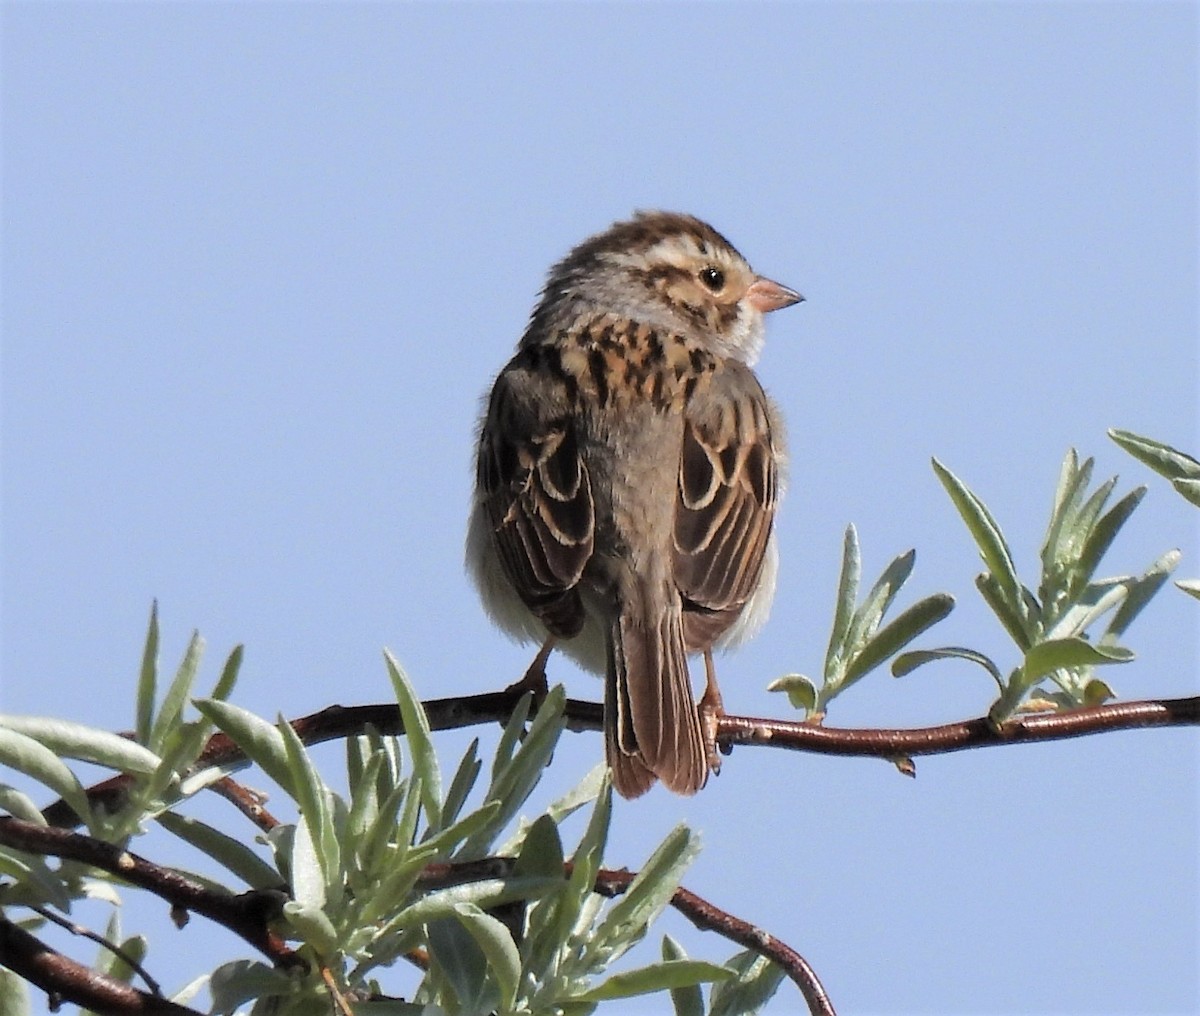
[[976, 733], [246, 915], [65, 980], [337, 721], [247, 800]]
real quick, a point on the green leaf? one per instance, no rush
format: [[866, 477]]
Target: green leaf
[[1162, 458], [463, 782], [20, 805], [311, 796], [542, 851], [846, 597], [372, 842], [171, 710], [308, 875], [987, 535], [75, 740], [1095, 601], [1057, 654], [1190, 586], [688, 1000], [229, 674], [1013, 620], [511, 735], [147, 679], [1100, 537], [230, 853], [648, 894], [484, 893], [1066, 503], [656, 977], [240, 981], [494, 939], [261, 741], [364, 796], [883, 592], [40, 763], [906, 663], [481, 823], [420, 740], [312, 925], [892, 637], [801, 692], [585, 862], [458, 971], [1189, 488], [756, 982], [1140, 592], [514, 780]]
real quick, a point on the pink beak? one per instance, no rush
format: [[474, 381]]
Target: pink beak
[[766, 296]]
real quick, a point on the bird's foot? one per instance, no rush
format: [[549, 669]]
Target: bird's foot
[[711, 709], [534, 680]]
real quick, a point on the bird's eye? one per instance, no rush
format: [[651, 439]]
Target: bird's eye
[[713, 278]]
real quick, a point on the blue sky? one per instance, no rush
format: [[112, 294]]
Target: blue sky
[[261, 261]]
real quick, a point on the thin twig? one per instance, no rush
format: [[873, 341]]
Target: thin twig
[[65, 980], [247, 800], [100, 940]]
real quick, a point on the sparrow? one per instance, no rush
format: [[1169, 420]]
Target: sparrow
[[628, 470]]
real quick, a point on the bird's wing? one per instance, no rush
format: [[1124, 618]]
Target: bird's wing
[[727, 493], [537, 493]]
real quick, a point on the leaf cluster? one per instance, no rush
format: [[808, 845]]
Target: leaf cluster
[[511, 924], [1065, 624]]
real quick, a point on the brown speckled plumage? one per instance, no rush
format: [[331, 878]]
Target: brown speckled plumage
[[628, 473]]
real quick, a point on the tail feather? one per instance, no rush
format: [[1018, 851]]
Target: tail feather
[[652, 730]]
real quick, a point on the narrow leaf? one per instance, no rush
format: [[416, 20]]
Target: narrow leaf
[[230, 853], [689, 999], [1162, 458], [649, 892], [171, 710], [90, 744], [229, 674], [1190, 586], [1057, 654], [987, 535], [906, 663], [40, 763], [313, 926], [755, 984], [260, 740], [147, 679], [892, 637], [877, 602], [1140, 592], [1101, 535], [846, 596], [656, 977], [420, 740], [310, 794], [1009, 615], [1189, 488], [504, 963]]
